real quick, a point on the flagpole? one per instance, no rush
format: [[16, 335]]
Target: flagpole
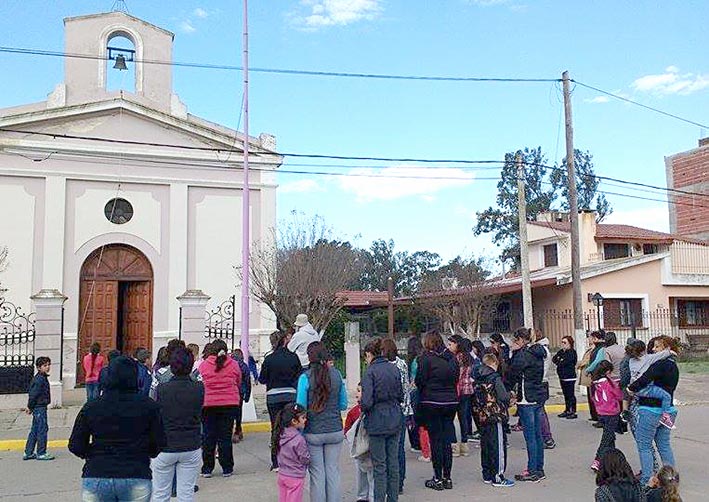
[[245, 225]]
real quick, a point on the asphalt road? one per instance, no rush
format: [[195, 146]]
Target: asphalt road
[[567, 467]]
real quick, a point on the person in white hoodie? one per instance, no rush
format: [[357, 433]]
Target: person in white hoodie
[[304, 336], [542, 340]]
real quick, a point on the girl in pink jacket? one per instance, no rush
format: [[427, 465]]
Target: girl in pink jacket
[[607, 397]]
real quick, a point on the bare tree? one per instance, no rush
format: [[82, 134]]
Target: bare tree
[[303, 271]]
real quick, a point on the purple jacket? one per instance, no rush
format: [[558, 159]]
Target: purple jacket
[[293, 455]]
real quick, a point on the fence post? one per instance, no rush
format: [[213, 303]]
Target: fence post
[[352, 358], [192, 310], [49, 307]]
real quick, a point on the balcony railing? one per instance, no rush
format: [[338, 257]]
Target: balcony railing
[[689, 258]]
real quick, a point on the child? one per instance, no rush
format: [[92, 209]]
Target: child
[[490, 403], [292, 452], [664, 486], [638, 363], [363, 464], [615, 480], [38, 399], [245, 392], [606, 397]]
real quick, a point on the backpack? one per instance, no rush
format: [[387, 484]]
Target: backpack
[[486, 409]]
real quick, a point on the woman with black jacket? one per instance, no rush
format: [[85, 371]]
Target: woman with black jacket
[[382, 395], [279, 372], [436, 380], [565, 361]]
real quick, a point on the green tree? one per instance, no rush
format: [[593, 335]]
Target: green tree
[[586, 185]]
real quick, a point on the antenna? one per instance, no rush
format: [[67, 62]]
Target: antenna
[[120, 6]]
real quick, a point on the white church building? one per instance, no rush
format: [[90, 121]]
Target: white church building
[[122, 201]]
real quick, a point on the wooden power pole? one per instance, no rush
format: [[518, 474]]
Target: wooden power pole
[[574, 215], [390, 306], [523, 245]]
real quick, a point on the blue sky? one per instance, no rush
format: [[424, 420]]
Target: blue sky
[[653, 52]]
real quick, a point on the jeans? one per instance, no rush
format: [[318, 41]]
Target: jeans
[[465, 417], [568, 387], [217, 425], [402, 452], [610, 425], [186, 464], [531, 417], [115, 490], [324, 466], [658, 393], [273, 410], [92, 391], [648, 429], [38, 432], [384, 451], [365, 479]]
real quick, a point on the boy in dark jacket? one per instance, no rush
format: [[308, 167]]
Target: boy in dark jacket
[[525, 376], [38, 399], [492, 417]]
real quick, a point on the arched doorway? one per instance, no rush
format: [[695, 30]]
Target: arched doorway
[[115, 301]]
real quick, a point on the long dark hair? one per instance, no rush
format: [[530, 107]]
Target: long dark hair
[[94, 351], [669, 482], [479, 348], [433, 341], [463, 355], [614, 467], [284, 419], [601, 370], [163, 359], [220, 349], [413, 349], [318, 356]]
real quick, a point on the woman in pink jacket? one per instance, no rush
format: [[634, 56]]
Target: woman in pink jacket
[[221, 377], [92, 363], [606, 395]]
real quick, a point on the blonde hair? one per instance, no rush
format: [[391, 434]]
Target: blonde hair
[[669, 481], [490, 359]]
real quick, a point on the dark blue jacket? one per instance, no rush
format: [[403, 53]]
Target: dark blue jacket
[[145, 379], [38, 394], [526, 374], [565, 361], [381, 398]]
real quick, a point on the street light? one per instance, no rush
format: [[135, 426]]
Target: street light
[[597, 300]]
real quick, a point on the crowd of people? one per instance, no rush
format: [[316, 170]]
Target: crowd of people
[[149, 431]]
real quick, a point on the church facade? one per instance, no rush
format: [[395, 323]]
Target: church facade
[[123, 201]]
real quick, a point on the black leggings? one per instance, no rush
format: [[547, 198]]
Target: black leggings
[[591, 405], [439, 428], [568, 387]]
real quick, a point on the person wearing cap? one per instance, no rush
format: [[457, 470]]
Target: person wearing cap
[[525, 376], [305, 335]]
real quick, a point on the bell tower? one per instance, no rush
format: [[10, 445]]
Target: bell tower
[[87, 79]]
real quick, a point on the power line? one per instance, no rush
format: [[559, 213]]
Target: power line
[[344, 157], [282, 71], [656, 110]]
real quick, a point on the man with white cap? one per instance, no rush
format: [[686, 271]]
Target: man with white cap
[[304, 336]]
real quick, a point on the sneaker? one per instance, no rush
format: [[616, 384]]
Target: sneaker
[[596, 465], [541, 475], [448, 484], [528, 477], [274, 469], [205, 474], [667, 421], [549, 444], [31, 456], [487, 481], [227, 474], [475, 436], [45, 456], [625, 416], [563, 414], [598, 425], [455, 448], [434, 484], [517, 428], [415, 450], [421, 458], [571, 416], [505, 483], [464, 450]]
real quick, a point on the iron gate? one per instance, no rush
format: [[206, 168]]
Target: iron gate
[[220, 321], [17, 335]]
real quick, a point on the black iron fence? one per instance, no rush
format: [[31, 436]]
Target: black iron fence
[[17, 336], [220, 322]]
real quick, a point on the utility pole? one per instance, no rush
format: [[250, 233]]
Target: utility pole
[[523, 245], [390, 306], [245, 200], [574, 216]]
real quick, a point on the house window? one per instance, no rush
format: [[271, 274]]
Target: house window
[[649, 248], [693, 313], [551, 255], [622, 313], [613, 251]]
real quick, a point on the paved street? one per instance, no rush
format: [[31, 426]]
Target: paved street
[[567, 467]]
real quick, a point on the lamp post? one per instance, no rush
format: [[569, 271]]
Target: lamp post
[[597, 300]]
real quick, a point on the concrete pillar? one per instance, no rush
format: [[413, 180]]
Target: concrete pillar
[[192, 305], [352, 357], [48, 306]]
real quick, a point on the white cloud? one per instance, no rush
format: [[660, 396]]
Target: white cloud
[[671, 82], [323, 13], [652, 217], [369, 185], [598, 99], [300, 186], [200, 13], [186, 27]]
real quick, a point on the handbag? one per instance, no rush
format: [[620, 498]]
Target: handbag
[[360, 440]]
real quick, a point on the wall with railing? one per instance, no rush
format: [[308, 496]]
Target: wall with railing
[[689, 258]]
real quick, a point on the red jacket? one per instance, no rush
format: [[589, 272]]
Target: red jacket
[[91, 374], [221, 388], [607, 396], [352, 417]]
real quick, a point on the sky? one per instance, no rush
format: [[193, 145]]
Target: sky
[[651, 52]]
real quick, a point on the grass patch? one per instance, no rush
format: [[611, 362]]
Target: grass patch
[[700, 367]]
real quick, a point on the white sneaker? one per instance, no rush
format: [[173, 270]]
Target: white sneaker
[[421, 458]]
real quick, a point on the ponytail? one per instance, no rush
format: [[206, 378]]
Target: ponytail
[[284, 418], [94, 351], [669, 481], [219, 348], [318, 356]]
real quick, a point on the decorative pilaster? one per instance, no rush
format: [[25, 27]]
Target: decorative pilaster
[[49, 337]]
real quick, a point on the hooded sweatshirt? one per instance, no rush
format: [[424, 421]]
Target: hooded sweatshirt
[[300, 341], [606, 396], [293, 455], [118, 433]]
